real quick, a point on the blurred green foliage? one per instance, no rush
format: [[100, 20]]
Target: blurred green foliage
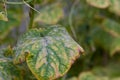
[[94, 24]]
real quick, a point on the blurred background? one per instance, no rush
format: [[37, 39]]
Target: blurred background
[[94, 24]]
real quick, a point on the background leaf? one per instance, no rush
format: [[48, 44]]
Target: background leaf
[[112, 27], [107, 37], [115, 6], [3, 15], [99, 3], [50, 14], [14, 21]]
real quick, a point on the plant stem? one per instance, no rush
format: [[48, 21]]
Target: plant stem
[[31, 14], [70, 19], [17, 3]]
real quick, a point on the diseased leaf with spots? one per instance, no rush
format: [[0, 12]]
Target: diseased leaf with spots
[[8, 71], [49, 52], [99, 3]]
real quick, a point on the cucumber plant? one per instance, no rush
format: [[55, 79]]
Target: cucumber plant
[[42, 39], [48, 52]]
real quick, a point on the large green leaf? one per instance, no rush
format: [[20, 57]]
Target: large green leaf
[[99, 3], [112, 27], [50, 14], [48, 52]]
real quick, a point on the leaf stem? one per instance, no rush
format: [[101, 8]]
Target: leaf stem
[[31, 14], [17, 3], [30, 6], [70, 19], [5, 9]]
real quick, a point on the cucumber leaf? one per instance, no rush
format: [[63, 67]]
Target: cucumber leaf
[[3, 15], [14, 21], [8, 71], [115, 6], [112, 27], [49, 52], [50, 14], [99, 3]]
